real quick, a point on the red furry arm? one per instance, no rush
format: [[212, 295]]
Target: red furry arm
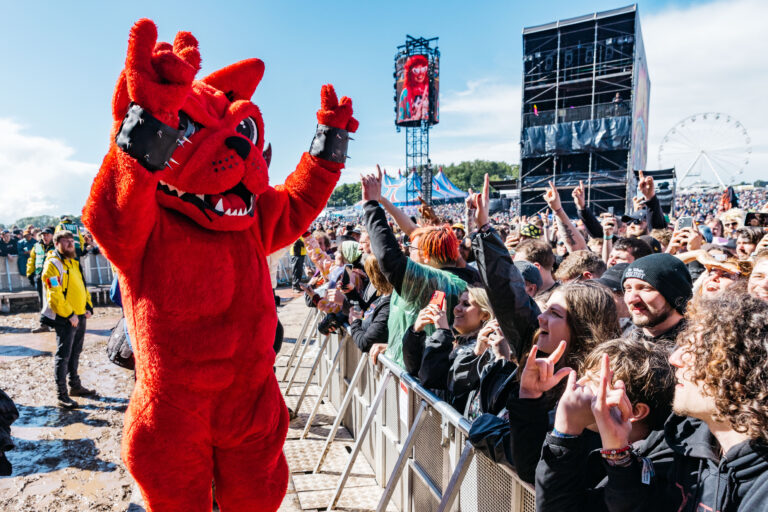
[[121, 208], [286, 211]]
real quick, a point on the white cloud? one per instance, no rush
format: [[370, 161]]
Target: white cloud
[[479, 122], [709, 58], [703, 58], [39, 175]]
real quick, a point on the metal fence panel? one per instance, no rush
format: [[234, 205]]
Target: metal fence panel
[[438, 441]]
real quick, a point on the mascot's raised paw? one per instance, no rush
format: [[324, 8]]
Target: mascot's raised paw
[[159, 76], [335, 123], [335, 113]]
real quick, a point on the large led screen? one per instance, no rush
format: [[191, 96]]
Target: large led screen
[[417, 90]]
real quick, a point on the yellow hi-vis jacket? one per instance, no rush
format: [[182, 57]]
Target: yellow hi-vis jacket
[[64, 286]]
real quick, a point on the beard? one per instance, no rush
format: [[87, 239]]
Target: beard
[[651, 318]]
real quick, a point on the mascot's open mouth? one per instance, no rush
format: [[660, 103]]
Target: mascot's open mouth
[[235, 202]]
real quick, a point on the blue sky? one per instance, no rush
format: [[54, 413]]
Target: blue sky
[[59, 62]]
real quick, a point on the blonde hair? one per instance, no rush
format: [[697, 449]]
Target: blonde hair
[[480, 297]]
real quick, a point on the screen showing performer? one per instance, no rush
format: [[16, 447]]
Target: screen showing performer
[[413, 84]]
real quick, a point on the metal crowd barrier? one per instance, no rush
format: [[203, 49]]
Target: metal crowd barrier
[[416, 443], [96, 268]]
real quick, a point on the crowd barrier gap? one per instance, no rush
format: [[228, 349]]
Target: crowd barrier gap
[[416, 443]]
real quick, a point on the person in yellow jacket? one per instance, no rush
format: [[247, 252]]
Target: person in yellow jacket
[[66, 224], [68, 306]]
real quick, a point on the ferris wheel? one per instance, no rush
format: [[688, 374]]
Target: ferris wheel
[[706, 146]]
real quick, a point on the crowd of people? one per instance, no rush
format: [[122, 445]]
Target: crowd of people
[[620, 361], [703, 204]]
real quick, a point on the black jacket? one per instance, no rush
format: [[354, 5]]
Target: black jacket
[[516, 312], [454, 373], [693, 477], [571, 477], [373, 327]]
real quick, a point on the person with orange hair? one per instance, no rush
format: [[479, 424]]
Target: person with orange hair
[[434, 251]]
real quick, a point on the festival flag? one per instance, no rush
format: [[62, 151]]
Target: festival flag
[[536, 110]]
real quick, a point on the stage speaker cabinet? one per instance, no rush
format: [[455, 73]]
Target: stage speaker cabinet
[[589, 55], [549, 61], [568, 58]]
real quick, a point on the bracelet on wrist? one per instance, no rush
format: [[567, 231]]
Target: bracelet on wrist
[[622, 461], [485, 227], [615, 452], [557, 433]]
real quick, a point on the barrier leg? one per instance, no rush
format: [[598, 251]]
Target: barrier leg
[[311, 317], [342, 411], [320, 352], [360, 439], [300, 359], [449, 496], [402, 458], [323, 390]]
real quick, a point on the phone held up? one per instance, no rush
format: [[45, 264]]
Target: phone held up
[[438, 299]]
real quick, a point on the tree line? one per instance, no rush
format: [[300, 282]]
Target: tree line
[[464, 175]]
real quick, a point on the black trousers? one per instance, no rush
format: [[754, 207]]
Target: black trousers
[[69, 345], [297, 270], [39, 287]]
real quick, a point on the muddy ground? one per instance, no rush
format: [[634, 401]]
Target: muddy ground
[[67, 460]]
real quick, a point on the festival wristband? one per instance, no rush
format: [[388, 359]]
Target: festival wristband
[[557, 433]]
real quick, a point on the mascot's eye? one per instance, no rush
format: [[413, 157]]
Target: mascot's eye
[[188, 125], [249, 130]]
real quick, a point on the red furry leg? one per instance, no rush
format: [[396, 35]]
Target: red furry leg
[[168, 452], [254, 475]]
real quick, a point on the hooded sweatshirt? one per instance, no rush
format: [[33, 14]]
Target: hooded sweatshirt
[[694, 477]]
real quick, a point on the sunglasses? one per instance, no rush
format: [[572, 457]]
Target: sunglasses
[[636, 222]]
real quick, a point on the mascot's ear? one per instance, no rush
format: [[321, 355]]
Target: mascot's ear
[[238, 81], [120, 100]]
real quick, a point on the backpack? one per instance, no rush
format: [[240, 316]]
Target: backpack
[[119, 349]]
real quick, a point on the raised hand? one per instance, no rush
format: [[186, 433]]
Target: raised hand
[[334, 112], [424, 318], [372, 185], [498, 343], [159, 76], [482, 200], [646, 186], [612, 410], [539, 375], [552, 197], [574, 409], [579, 197], [483, 337]]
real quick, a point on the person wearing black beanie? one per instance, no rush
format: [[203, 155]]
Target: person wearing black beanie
[[656, 290]]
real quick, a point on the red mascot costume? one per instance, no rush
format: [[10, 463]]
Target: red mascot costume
[[183, 209]]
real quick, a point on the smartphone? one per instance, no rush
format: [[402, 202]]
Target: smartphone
[[438, 299], [684, 222], [610, 210]]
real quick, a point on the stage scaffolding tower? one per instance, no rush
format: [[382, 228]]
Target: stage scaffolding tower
[[417, 162], [585, 110]]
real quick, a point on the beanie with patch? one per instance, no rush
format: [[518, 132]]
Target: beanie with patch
[[667, 274]]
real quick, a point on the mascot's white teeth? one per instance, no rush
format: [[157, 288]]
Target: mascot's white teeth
[[219, 206]]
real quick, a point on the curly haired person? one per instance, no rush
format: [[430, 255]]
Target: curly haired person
[[718, 434]]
